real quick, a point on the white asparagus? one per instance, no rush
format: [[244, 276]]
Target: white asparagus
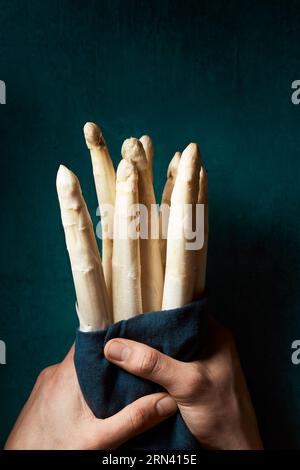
[[127, 295], [149, 151], [181, 262], [93, 306], [151, 265], [201, 255], [105, 179], [165, 205]]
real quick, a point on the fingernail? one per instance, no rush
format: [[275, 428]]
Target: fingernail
[[117, 351], [166, 406]]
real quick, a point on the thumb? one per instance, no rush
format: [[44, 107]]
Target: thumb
[[136, 418]]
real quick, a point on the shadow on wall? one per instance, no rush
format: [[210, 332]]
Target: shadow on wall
[[253, 271]]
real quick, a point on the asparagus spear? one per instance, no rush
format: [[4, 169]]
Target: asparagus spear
[[127, 296], [104, 176], [151, 265], [92, 300], [181, 262], [165, 205]]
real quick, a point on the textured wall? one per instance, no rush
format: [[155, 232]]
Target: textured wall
[[215, 72]]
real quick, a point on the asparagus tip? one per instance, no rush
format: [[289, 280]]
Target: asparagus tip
[[93, 135], [66, 178], [173, 165], [191, 154], [133, 150], [146, 142]]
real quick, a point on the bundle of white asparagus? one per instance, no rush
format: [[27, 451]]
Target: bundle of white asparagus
[[151, 259]]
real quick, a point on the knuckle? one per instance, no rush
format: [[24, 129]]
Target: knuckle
[[196, 380], [45, 374], [40, 378], [149, 363], [138, 418], [193, 383]]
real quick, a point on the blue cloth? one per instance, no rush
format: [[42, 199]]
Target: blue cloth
[[107, 388]]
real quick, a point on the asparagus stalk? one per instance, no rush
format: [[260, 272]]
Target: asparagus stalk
[[127, 296], [151, 265], [165, 206], [92, 300], [181, 262], [104, 176]]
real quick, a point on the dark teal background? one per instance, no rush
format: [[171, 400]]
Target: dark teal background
[[215, 72]]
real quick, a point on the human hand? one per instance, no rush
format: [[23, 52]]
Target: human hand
[[211, 393], [56, 415]]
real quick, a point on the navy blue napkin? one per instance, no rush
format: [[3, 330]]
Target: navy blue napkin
[[107, 388]]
